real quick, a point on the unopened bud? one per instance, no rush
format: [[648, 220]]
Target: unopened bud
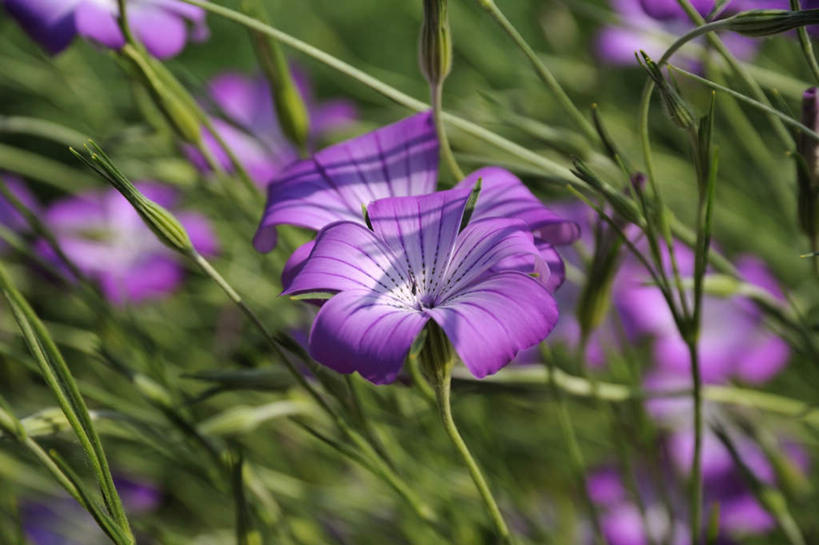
[[163, 224], [675, 106], [766, 22], [294, 119], [435, 51], [437, 356], [169, 96]]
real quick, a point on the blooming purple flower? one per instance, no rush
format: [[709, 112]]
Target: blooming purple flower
[[652, 25], [733, 343], [108, 241], [397, 160], [415, 265], [251, 129], [164, 26]]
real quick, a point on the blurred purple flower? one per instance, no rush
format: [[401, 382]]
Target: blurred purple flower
[[733, 343], [107, 240], [415, 266], [61, 521], [251, 129], [163, 26], [395, 161], [9, 216], [652, 25]]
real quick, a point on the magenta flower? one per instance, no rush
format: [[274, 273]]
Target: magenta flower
[[163, 26], [252, 130], [395, 161], [108, 241], [652, 25], [414, 266], [734, 342]]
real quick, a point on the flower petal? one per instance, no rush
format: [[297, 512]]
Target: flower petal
[[491, 321], [422, 231], [361, 331], [164, 33], [348, 256], [98, 23], [295, 263], [48, 22], [494, 244], [399, 159], [503, 195]]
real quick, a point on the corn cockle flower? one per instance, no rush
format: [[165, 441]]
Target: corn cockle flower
[[251, 129], [108, 241], [415, 266], [163, 26], [733, 340], [394, 161]]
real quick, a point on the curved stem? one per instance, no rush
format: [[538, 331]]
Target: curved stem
[[446, 151], [442, 391], [804, 41]]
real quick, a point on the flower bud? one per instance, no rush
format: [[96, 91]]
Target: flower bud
[[807, 170], [435, 51], [436, 356], [292, 114], [675, 106], [164, 225], [766, 22], [171, 99]]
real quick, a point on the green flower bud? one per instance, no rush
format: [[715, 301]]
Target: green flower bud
[[291, 111], [164, 225], [435, 45], [766, 22], [675, 106], [170, 97], [436, 356]]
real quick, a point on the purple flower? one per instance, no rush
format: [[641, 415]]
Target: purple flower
[[59, 520], [108, 241], [652, 25], [414, 266], [251, 129], [395, 161], [164, 26], [9, 216], [733, 343]]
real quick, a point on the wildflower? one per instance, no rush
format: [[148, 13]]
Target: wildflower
[[251, 129], [108, 241], [653, 25], [394, 161], [60, 520], [733, 341], [414, 266], [163, 26]]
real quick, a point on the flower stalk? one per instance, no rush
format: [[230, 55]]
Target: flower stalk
[[437, 358]]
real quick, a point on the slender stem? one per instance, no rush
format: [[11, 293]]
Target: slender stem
[[542, 70], [736, 66], [123, 22], [696, 468], [442, 395], [446, 150], [380, 467], [807, 45]]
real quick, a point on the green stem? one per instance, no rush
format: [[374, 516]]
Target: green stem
[[42, 169], [446, 150], [806, 44], [442, 394], [696, 469], [542, 70]]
